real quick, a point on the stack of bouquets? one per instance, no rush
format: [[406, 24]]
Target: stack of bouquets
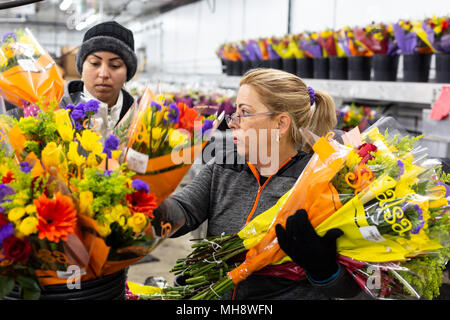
[[310, 43], [381, 190], [287, 47], [350, 116], [437, 32], [163, 141], [27, 72], [351, 44], [60, 206]]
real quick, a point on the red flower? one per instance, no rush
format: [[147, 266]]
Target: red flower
[[8, 178], [187, 117], [3, 220], [364, 152], [143, 202], [16, 249], [57, 217]]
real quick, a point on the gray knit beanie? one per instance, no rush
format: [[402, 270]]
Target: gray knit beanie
[[112, 37]]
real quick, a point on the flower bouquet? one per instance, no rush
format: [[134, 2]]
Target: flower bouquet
[[380, 190], [310, 43], [27, 72], [351, 116], [61, 206], [163, 141], [437, 33]]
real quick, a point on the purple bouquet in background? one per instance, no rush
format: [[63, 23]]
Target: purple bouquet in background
[[406, 40], [272, 53], [311, 45], [242, 48], [438, 33], [253, 50]]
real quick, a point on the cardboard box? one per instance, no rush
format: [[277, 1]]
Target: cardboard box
[[68, 60]]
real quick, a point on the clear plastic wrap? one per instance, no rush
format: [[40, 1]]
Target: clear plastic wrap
[[27, 72], [162, 141]]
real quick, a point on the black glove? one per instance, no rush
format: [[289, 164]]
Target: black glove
[[315, 254]]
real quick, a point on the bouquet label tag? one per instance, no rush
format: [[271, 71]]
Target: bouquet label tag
[[371, 233], [137, 161], [27, 65]]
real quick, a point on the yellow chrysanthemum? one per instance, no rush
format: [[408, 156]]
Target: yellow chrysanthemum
[[16, 213], [353, 159], [137, 222], [28, 226]]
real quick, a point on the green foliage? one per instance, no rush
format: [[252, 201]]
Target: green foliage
[[108, 189], [425, 273]]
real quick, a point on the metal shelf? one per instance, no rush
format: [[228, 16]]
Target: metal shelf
[[394, 92]]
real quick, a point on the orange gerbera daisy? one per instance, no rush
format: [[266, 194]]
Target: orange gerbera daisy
[[57, 217]]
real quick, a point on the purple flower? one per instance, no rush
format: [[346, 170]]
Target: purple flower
[[69, 107], [420, 216], [174, 113], [7, 35], [138, 184], [107, 173], [6, 232], [25, 167], [111, 143], [91, 107], [155, 106], [207, 125], [402, 168], [77, 114]]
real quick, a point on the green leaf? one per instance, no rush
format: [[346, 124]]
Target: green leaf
[[30, 288], [6, 286], [29, 294]]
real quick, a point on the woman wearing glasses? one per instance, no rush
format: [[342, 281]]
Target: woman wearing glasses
[[269, 155]]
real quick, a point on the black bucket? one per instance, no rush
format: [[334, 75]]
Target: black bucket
[[359, 68], [255, 64], [289, 65], [224, 65], [110, 287], [384, 67], [236, 68], [321, 68], [265, 63], [416, 67], [229, 68], [338, 68], [275, 63], [443, 67], [246, 65], [304, 68]]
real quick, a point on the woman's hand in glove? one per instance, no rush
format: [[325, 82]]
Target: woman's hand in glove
[[315, 254]]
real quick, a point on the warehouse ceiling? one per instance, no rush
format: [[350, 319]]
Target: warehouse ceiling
[[80, 14]]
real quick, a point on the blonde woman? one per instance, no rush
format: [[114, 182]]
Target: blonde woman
[[269, 155]]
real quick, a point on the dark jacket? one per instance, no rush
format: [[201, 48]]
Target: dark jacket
[[73, 89], [224, 195]]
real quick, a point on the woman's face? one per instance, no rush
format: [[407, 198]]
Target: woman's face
[[104, 74], [254, 136]]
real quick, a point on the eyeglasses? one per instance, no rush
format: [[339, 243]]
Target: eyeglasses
[[237, 117]]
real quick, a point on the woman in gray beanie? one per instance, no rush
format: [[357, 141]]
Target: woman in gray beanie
[[105, 61]]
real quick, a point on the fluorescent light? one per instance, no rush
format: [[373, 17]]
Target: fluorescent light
[[65, 4]]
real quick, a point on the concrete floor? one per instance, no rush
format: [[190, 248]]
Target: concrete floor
[[167, 252]]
